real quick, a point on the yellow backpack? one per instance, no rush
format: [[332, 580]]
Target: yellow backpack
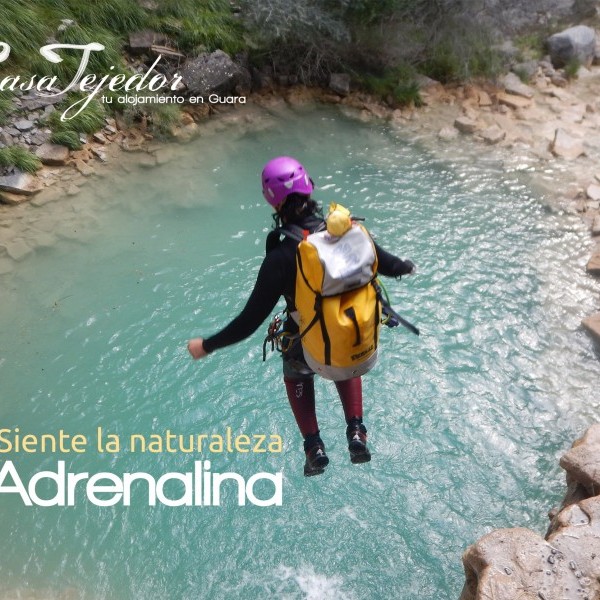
[[336, 298]]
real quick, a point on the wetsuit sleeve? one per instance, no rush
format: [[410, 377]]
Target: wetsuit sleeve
[[390, 265], [267, 290]]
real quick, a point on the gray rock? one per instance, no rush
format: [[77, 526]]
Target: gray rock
[[213, 73], [20, 183], [576, 43], [53, 154], [596, 226], [593, 265], [340, 83], [527, 69], [24, 125], [584, 9], [6, 138], [41, 137], [513, 85], [465, 125], [34, 101], [141, 42]]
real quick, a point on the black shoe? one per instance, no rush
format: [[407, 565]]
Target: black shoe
[[316, 459], [356, 434]]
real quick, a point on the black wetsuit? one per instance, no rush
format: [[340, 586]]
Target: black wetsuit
[[276, 278]]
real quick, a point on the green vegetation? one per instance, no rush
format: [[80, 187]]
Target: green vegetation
[[572, 68], [67, 138], [159, 118], [6, 106], [21, 158], [397, 85], [384, 44], [67, 132]]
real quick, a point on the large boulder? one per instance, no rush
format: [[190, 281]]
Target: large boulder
[[53, 154], [573, 44], [20, 183], [214, 73]]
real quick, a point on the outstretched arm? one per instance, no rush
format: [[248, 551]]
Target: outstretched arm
[[267, 290], [392, 266]]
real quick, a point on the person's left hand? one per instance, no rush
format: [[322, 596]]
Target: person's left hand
[[196, 348]]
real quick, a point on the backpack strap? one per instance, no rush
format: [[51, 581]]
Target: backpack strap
[[292, 231]]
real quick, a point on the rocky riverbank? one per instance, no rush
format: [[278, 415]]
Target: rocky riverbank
[[516, 563]]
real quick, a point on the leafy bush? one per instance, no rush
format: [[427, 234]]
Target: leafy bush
[[21, 158], [398, 84]]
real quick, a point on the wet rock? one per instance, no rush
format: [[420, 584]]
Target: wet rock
[[565, 146], [582, 461], [20, 183], [592, 325], [513, 85], [12, 199], [84, 168], [573, 44], [593, 265], [340, 83], [493, 135], [18, 249], [53, 154], [100, 154], [596, 226], [593, 192], [466, 125], [448, 133], [213, 73], [50, 194]]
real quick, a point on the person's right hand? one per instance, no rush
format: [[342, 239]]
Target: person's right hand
[[196, 348]]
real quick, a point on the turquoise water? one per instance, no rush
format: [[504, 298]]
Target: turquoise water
[[466, 422]]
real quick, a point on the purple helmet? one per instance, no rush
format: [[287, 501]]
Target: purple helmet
[[282, 176]]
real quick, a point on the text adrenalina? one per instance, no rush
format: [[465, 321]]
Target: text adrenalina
[[91, 84], [199, 487]]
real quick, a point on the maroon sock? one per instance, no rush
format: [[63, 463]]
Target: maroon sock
[[301, 394], [350, 392]]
